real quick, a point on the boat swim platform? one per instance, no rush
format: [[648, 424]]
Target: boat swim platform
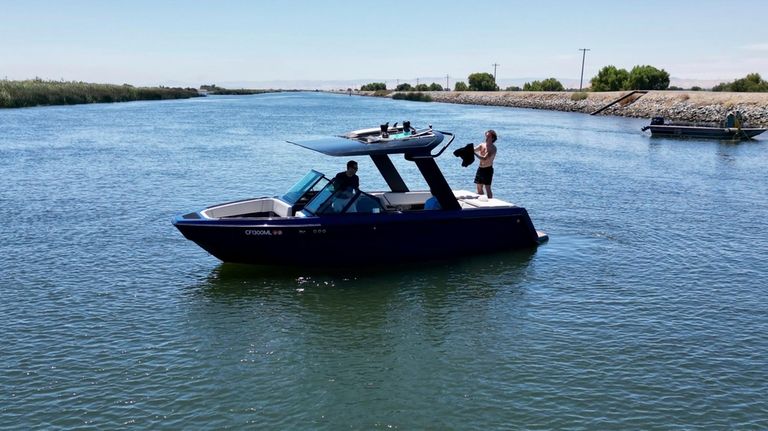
[[543, 237]]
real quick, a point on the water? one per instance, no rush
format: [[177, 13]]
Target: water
[[646, 309]]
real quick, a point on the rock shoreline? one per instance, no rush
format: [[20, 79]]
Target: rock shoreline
[[685, 106]]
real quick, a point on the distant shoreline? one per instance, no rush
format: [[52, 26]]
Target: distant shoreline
[[688, 106], [37, 92]]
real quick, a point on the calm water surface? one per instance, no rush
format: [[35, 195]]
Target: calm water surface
[[646, 310]]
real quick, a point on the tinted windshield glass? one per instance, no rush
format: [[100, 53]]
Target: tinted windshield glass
[[332, 201], [323, 202], [311, 181], [365, 203]]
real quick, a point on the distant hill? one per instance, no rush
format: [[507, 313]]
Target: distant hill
[[703, 83]]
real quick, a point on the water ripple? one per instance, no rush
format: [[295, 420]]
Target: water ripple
[[645, 310]]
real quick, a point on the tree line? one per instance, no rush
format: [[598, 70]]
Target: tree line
[[752, 83], [609, 78], [214, 89]]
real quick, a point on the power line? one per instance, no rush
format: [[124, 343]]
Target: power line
[[583, 56]]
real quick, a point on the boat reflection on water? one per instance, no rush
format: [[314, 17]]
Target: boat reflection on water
[[315, 310], [346, 338], [470, 275]]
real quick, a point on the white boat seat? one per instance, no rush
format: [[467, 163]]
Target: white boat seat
[[261, 205]]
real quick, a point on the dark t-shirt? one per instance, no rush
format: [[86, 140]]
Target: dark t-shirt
[[343, 181]]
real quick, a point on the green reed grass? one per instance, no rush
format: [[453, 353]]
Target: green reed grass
[[415, 96], [38, 92]]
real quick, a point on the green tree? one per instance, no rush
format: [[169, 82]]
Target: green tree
[[549, 84], [404, 87], [610, 78], [422, 87], [374, 86], [435, 87], [482, 82], [647, 78], [460, 86], [552, 84], [513, 88], [751, 83]]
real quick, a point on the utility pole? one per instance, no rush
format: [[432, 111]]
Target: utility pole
[[494, 70], [583, 55], [447, 87], [417, 82]]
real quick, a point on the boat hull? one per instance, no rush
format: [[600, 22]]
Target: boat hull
[[704, 132], [355, 239]]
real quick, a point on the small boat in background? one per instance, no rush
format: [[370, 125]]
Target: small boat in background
[[730, 129]]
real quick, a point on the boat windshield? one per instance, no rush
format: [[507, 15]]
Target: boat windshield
[[309, 185], [332, 201]]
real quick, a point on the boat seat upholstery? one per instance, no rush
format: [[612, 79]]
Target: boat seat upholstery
[[281, 208], [234, 209]]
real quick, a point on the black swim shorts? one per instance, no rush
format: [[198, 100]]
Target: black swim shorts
[[484, 175]]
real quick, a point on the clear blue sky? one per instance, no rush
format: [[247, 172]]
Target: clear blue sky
[[195, 41]]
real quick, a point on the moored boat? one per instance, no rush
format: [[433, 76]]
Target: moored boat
[[318, 223], [730, 129]]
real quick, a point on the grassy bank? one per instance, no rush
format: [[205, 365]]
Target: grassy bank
[[37, 92], [413, 96], [239, 91], [214, 89]]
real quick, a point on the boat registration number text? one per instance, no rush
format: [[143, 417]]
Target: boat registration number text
[[263, 232]]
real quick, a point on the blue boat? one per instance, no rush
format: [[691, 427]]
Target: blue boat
[[318, 224]]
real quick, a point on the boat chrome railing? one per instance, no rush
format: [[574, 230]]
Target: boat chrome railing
[[432, 156]]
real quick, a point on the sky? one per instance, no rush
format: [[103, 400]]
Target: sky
[[195, 42]]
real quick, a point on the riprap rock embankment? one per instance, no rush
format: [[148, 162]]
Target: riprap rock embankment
[[688, 106]]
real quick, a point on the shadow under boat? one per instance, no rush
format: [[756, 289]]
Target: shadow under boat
[[229, 280]]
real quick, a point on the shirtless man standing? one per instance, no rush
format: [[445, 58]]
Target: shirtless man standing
[[486, 152]]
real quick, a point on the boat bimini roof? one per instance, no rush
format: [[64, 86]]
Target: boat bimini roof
[[379, 143], [368, 142]]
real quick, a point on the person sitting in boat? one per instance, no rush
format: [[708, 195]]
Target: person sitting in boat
[[347, 182], [733, 119]]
